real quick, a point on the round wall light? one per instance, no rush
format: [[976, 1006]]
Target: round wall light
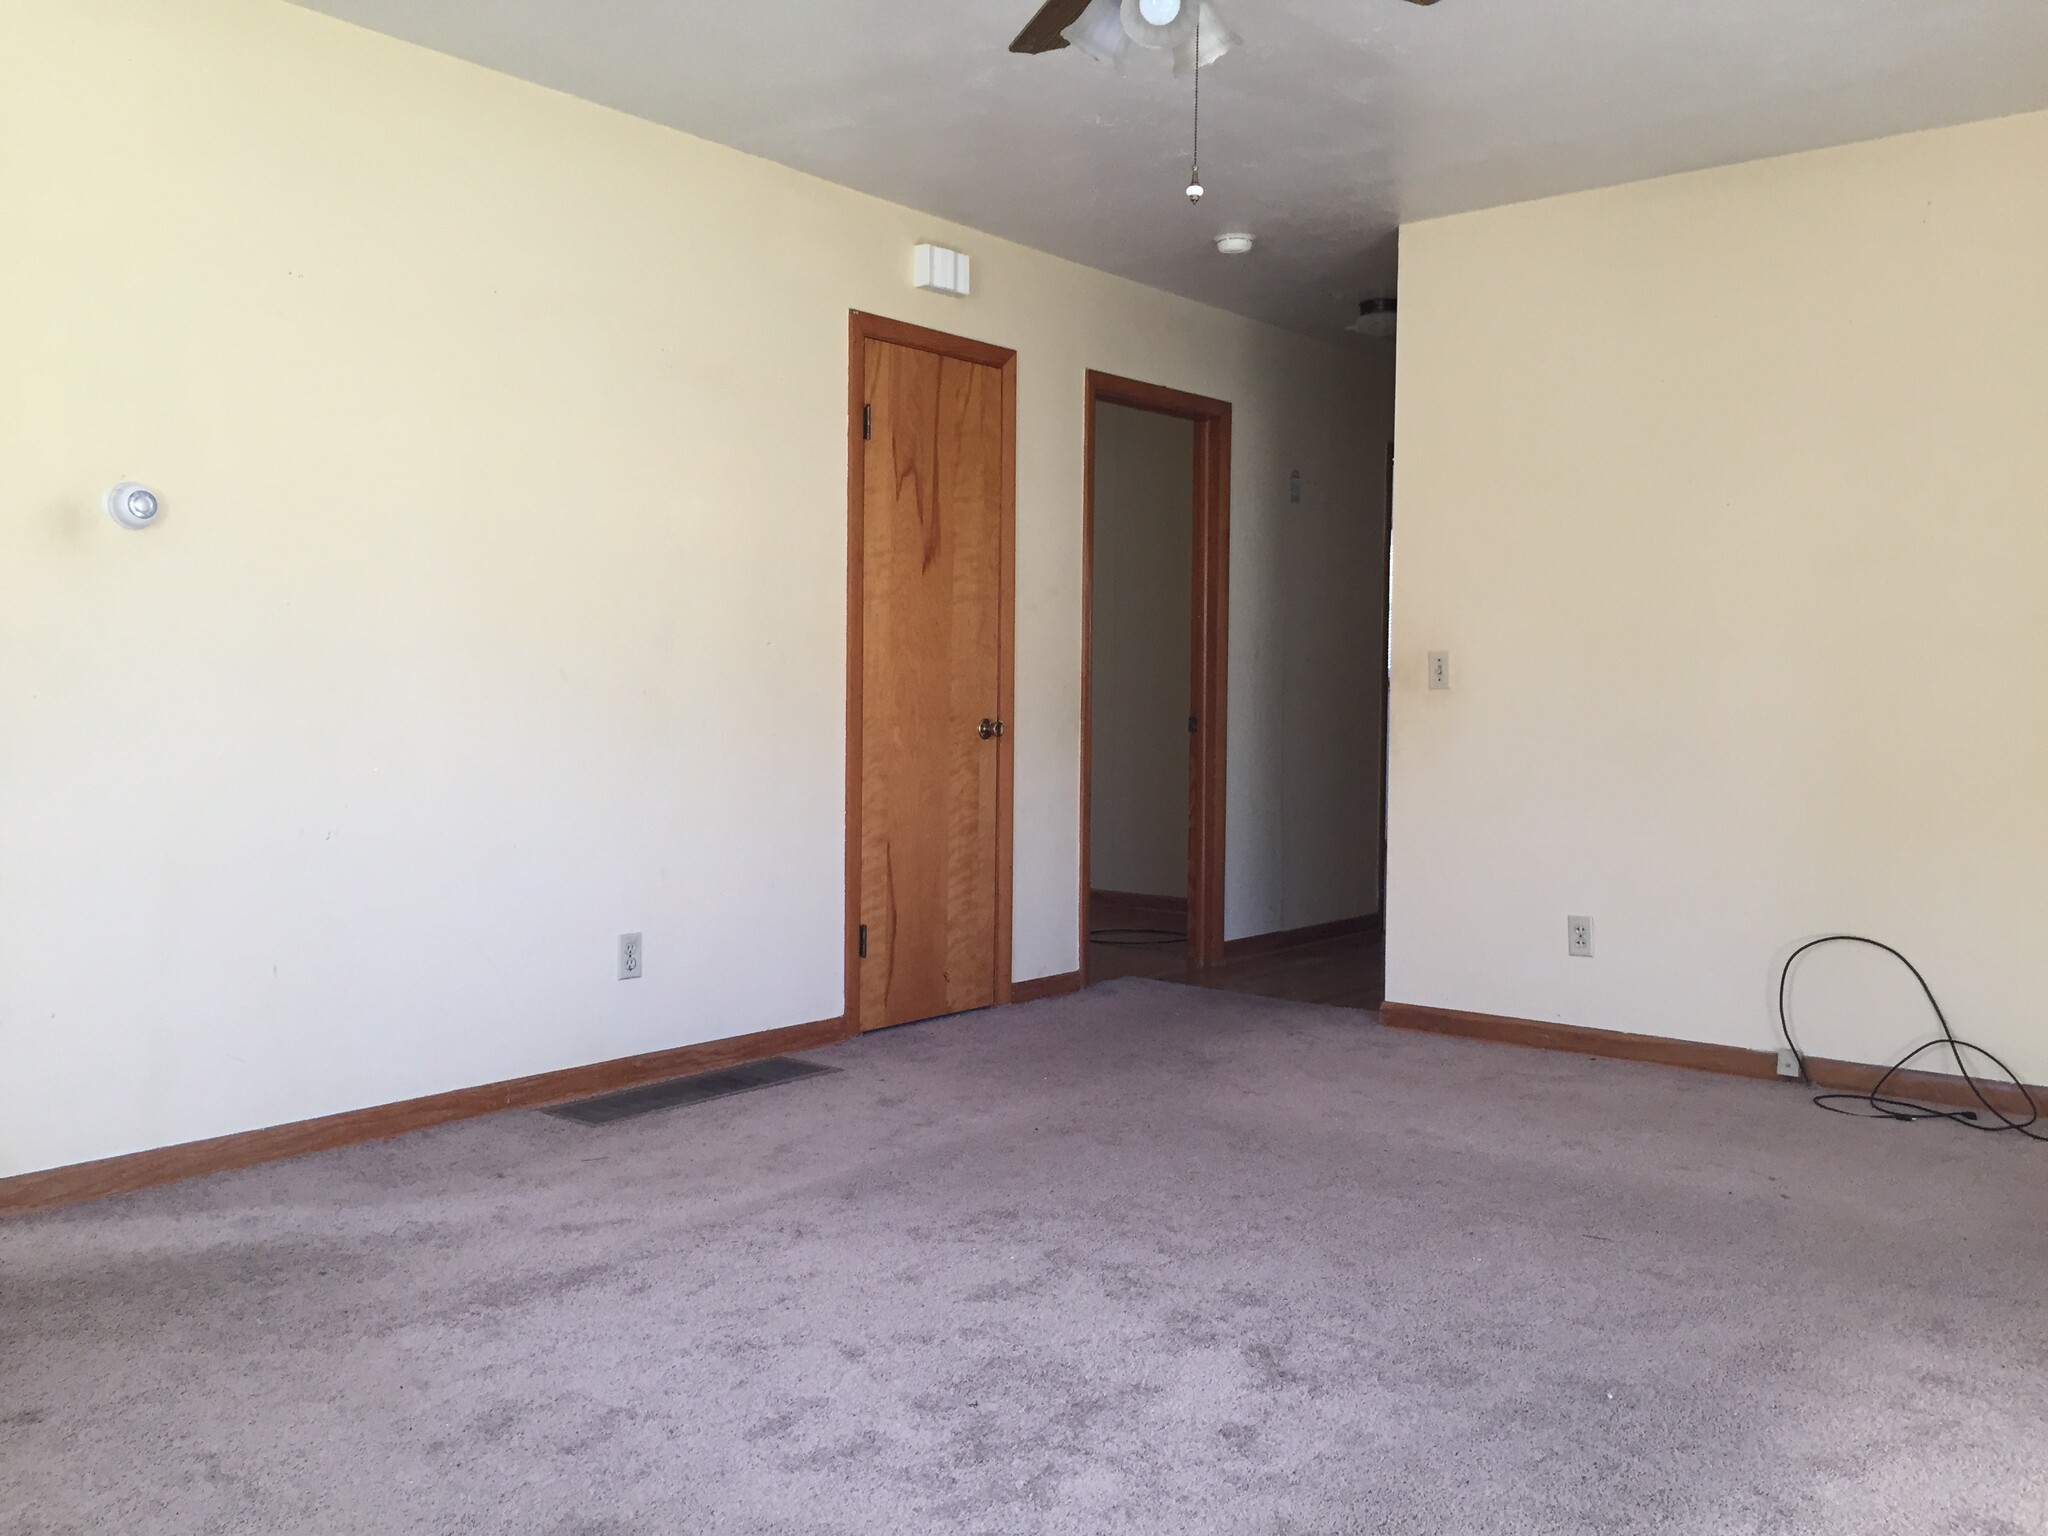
[[1233, 245], [132, 505]]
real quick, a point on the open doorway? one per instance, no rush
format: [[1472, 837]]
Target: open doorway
[[1155, 590]]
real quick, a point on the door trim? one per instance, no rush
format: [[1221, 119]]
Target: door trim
[[1209, 648], [1386, 677], [861, 329]]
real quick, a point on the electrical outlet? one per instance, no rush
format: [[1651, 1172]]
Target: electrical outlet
[[1788, 1063], [631, 955], [1579, 934], [1439, 669]]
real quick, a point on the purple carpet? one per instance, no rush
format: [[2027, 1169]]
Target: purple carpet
[[1150, 1259]]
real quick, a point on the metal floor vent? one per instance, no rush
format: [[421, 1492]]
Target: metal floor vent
[[675, 1093]]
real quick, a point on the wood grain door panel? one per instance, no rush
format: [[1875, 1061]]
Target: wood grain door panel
[[932, 610]]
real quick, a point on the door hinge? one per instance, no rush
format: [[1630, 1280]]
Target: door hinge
[[1191, 725], [867, 422], [863, 941]]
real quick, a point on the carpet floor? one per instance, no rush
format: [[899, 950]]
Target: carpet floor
[[1148, 1259]]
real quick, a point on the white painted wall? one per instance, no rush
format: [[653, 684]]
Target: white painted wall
[[1143, 644], [1323, 580], [1729, 496], [498, 606]]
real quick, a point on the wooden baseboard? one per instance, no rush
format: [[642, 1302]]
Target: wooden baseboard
[[1138, 901], [54, 1187], [1941, 1089], [1040, 987], [1730, 1060], [1290, 938], [1936, 1088], [119, 1175]]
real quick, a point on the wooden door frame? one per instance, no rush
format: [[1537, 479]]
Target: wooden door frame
[[1209, 649], [863, 328], [1386, 681]]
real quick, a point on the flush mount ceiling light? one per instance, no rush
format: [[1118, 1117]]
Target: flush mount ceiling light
[[1375, 318], [1233, 245]]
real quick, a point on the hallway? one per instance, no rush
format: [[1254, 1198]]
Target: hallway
[[1343, 972]]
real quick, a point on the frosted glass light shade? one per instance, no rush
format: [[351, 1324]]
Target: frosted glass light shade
[[1217, 40], [1150, 34], [1099, 33]]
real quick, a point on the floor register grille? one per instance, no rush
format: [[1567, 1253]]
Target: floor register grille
[[677, 1092]]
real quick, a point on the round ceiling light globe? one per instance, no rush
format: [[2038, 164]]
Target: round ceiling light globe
[[1158, 23]]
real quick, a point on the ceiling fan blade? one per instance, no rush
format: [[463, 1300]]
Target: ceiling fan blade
[[1041, 33]]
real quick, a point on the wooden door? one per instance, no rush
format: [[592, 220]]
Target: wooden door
[[933, 744]]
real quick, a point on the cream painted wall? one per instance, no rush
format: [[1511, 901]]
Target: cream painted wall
[[1142, 638], [1729, 496], [1324, 578], [498, 605]]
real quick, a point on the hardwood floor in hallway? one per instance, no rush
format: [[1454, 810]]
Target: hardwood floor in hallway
[[1347, 972]]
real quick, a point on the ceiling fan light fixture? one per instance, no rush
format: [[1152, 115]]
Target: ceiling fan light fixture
[[1215, 36], [1099, 33], [1176, 26], [1375, 318]]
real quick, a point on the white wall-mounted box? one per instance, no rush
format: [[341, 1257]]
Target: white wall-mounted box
[[940, 270]]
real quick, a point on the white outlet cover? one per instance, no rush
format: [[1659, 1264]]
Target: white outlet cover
[[632, 956], [1578, 937]]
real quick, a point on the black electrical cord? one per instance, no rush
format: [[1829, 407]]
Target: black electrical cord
[[1876, 1104], [1135, 938]]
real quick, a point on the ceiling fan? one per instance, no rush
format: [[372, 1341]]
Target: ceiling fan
[[1098, 27]]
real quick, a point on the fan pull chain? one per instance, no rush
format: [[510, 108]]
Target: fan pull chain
[[1195, 187]]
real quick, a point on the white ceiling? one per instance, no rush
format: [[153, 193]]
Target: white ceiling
[[1336, 121]]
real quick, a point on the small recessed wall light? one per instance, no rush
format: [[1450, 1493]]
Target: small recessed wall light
[[1233, 245]]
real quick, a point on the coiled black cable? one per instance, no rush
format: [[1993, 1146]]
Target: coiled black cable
[[1877, 1104]]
